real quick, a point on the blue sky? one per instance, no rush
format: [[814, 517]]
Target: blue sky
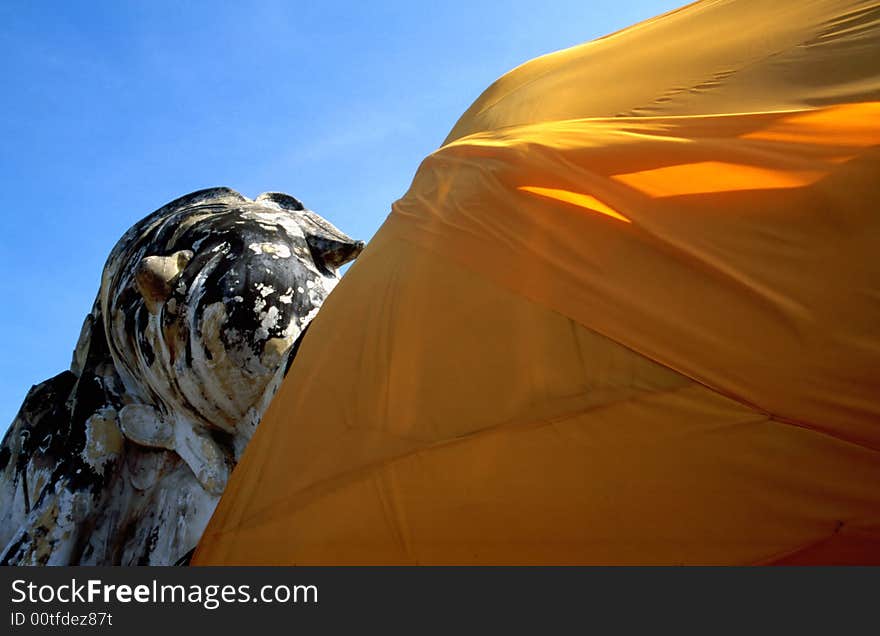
[[111, 109]]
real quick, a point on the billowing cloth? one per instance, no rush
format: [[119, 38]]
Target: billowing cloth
[[629, 313]]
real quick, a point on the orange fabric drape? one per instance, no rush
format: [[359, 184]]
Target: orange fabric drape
[[627, 314]]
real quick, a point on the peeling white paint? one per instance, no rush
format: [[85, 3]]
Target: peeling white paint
[[275, 250]]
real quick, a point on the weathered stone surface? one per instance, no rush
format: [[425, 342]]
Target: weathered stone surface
[[122, 459]]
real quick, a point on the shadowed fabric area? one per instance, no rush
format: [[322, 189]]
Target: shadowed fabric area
[[626, 314]]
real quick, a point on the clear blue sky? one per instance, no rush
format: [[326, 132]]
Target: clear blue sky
[[111, 109]]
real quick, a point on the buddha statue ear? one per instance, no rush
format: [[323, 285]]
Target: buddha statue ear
[[330, 246], [155, 277]]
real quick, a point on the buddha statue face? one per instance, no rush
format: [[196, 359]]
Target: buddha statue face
[[203, 299]]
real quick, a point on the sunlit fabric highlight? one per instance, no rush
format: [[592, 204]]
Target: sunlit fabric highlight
[[714, 176], [855, 125], [576, 198]]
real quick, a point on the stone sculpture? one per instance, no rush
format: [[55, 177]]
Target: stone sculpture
[[122, 458]]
